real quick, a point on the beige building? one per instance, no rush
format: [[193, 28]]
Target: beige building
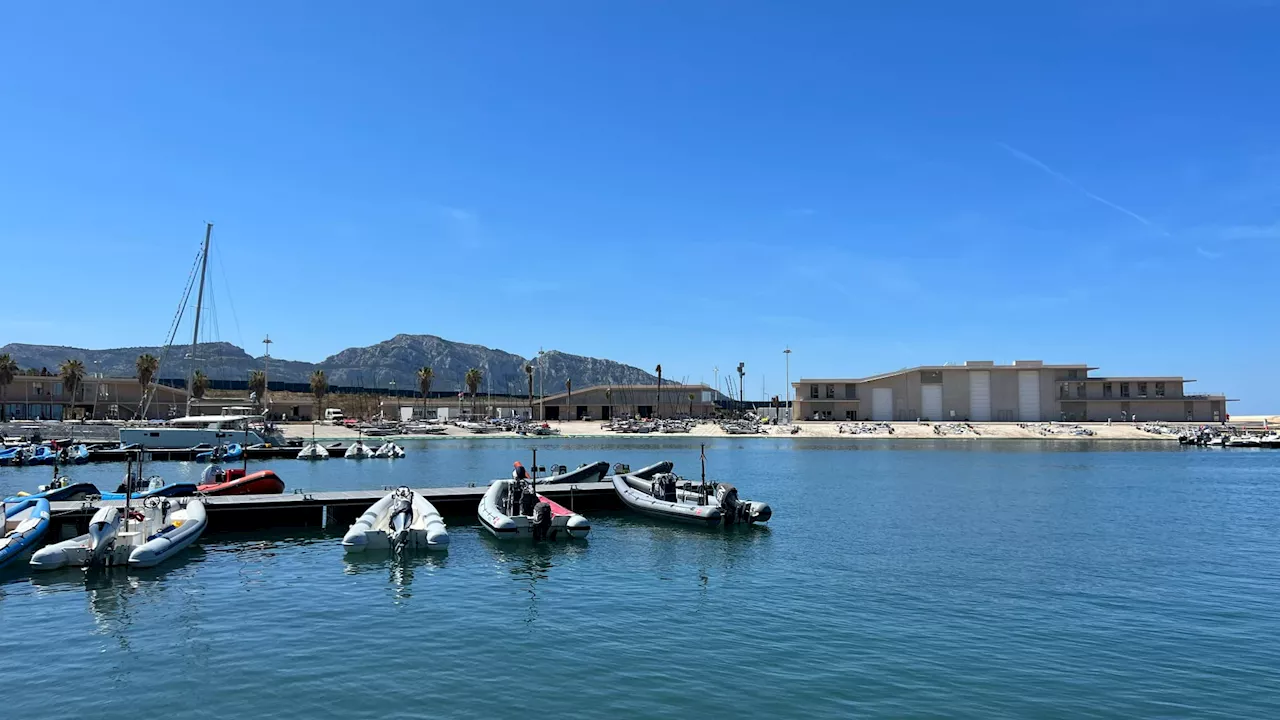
[[44, 397], [982, 391], [603, 402]]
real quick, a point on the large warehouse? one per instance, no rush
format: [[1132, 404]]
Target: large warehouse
[[982, 391]]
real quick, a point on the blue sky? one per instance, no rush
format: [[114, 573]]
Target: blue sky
[[699, 183]]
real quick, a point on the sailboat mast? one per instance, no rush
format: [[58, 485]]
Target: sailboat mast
[[195, 330]]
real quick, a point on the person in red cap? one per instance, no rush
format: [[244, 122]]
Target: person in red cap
[[519, 473]]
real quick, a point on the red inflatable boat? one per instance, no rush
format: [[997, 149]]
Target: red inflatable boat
[[234, 481]]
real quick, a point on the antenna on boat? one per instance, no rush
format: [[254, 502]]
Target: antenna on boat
[[533, 472], [703, 488]]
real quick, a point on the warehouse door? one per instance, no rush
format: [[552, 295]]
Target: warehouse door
[[980, 395], [931, 402], [882, 403], [1029, 395]]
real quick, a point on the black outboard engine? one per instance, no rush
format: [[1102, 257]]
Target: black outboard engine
[[732, 509], [541, 524], [663, 487]]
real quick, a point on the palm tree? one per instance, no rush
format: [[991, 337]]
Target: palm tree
[[473, 378], [258, 385], [528, 370], [319, 386], [147, 365], [568, 388], [8, 368], [659, 405], [72, 372], [425, 376], [199, 384]]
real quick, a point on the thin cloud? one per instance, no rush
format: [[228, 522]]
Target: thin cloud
[[1252, 232], [1092, 196], [1208, 253]]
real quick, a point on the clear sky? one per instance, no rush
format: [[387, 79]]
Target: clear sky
[[695, 184]]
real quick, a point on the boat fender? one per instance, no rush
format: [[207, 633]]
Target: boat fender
[[541, 521]]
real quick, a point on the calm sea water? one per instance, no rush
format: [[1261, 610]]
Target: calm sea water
[[940, 579]]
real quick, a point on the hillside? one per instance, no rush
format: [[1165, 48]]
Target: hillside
[[377, 365]]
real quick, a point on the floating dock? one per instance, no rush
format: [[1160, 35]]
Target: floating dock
[[281, 452], [334, 508]]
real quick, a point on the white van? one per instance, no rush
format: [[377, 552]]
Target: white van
[[333, 415]]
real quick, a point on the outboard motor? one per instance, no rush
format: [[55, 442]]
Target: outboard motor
[[732, 510], [401, 516], [663, 487], [102, 533], [541, 524], [213, 475]]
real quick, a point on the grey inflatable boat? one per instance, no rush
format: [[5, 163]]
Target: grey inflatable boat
[[593, 472], [670, 497]]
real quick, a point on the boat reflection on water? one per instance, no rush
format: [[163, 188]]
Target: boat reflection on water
[[401, 568], [530, 564]]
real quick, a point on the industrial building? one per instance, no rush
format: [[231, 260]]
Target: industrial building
[[1025, 391], [603, 402]]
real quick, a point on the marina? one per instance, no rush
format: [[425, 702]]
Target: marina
[[1094, 553]]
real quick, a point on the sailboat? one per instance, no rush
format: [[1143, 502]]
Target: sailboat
[[191, 431]]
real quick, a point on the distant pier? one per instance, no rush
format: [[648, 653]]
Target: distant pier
[[334, 508]]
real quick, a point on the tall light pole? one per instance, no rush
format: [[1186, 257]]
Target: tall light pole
[[542, 373], [787, 353], [716, 370], [266, 362]]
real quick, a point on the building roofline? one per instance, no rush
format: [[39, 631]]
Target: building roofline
[[920, 368], [629, 388]]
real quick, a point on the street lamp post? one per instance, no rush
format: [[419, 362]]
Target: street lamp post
[[787, 354]]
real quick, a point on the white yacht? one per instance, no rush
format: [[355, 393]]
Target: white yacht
[[212, 430]]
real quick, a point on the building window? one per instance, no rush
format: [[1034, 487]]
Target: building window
[[1159, 389], [813, 392], [1124, 390], [831, 392], [850, 391], [57, 389], [1106, 390], [1064, 391], [37, 388], [1080, 391], [1142, 389], [1073, 374]]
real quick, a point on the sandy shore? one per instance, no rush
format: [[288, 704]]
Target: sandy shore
[[901, 431]]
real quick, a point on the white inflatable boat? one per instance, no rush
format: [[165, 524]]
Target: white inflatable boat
[[389, 450], [511, 509], [313, 451], [157, 531], [358, 451], [402, 519]]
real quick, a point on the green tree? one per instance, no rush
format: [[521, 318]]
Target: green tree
[[608, 397], [568, 389], [199, 384], [473, 378], [72, 372], [319, 386], [425, 376], [528, 371], [258, 385], [147, 365], [8, 368], [691, 397]]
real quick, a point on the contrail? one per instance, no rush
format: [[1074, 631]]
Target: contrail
[[1098, 198]]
